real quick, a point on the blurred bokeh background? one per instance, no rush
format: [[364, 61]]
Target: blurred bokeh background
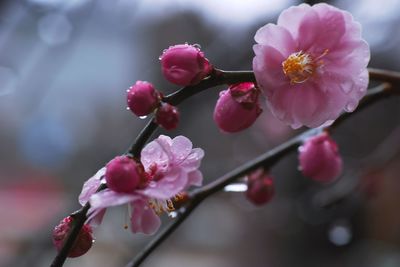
[[64, 68]]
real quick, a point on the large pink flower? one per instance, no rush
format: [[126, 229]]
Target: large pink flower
[[172, 167], [312, 64]]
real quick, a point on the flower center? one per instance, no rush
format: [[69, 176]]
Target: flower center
[[298, 67]]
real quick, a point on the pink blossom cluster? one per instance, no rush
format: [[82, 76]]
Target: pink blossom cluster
[[167, 168], [183, 65]]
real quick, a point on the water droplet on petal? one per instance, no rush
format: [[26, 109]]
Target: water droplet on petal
[[142, 117], [351, 106], [128, 108], [197, 46], [347, 86]]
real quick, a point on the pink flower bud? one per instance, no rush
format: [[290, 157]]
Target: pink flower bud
[[260, 188], [167, 116], [83, 242], [184, 65], [319, 158], [142, 98], [237, 108], [123, 174]]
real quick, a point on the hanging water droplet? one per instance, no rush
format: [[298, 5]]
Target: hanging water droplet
[[142, 117], [197, 46], [350, 106]]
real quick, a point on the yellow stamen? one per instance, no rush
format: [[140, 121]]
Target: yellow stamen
[[160, 206], [298, 67]]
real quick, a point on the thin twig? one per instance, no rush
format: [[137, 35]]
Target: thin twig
[[266, 160], [218, 77]]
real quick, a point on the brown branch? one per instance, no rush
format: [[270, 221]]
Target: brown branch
[[218, 77], [265, 160]]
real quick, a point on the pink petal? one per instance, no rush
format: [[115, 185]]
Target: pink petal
[[349, 59], [193, 160], [144, 219], [95, 216], [276, 37], [309, 30], [170, 185], [267, 66], [108, 198], [308, 106], [332, 27], [292, 18], [90, 186], [195, 178], [158, 152], [180, 148]]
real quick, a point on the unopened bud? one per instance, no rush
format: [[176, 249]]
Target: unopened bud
[[123, 174], [319, 158], [82, 243], [142, 98], [167, 116], [184, 64], [237, 108], [260, 188]]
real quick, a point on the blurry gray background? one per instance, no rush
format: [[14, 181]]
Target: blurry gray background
[[64, 70]]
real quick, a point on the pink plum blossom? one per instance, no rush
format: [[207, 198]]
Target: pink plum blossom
[[319, 158], [184, 64], [312, 64], [237, 108], [171, 167]]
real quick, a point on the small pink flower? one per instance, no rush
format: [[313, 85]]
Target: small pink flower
[[260, 188], [167, 116], [312, 64], [319, 158], [171, 166], [237, 108], [82, 243], [142, 98], [184, 65]]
